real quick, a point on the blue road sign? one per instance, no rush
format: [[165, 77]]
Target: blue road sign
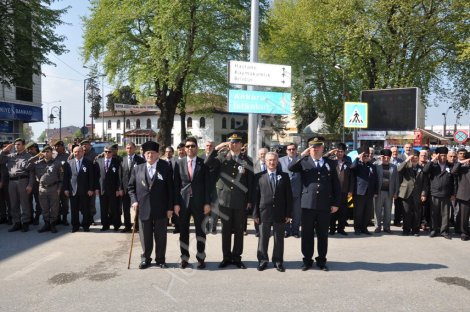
[[259, 102], [355, 115]]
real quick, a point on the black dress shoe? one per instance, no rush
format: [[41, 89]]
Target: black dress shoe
[[162, 265], [104, 228], [342, 232], [286, 235], [322, 267], [464, 238], [357, 232], [433, 234], [74, 229], [446, 235], [201, 265], [144, 264], [366, 231], [36, 220], [86, 230], [279, 267], [45, 228], [184, 264], [53, 228], [25, 227], [306, 267], [65, 222], [224, 263], [116, 229], [15, 227], [332, 232], [262, 266], [176, 231], [240, 264]]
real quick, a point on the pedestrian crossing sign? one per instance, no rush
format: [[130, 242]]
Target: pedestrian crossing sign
[[355, 115]]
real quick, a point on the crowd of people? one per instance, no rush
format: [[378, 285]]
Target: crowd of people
[[303, 194]]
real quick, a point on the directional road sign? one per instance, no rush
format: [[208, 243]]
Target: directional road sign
[[259, 102], [128, 107], [460, 136], [259, 74], [355, 115]]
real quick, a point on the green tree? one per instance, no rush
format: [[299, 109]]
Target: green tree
[[157, 45], [24, 47], [123, 95], [379, 44], [42, 136], [27, 132]]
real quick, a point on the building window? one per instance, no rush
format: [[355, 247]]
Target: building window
[[232, 123], [149, 124], [137, 124], [224, 123], [109, 124], [109, 136], [202, 122], [118, 124], [263, 123], [189, 122], [118, 138]]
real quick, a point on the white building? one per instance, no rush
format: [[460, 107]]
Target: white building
[[140, 126]]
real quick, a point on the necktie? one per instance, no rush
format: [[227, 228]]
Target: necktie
[[151, 172], [316, 163], [190, 169], [263, 167], [106, 166], [130, 162], [273, 181], [78, 165]]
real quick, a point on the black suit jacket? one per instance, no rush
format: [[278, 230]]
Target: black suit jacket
[[126, 170], [197, 189], [85, 177], [366, 179], [155, 196], [320, 187], [462, 175], [109, 181], [441, 182], [269, 206]]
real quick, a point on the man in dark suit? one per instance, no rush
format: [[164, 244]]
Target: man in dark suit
[[441, 190], [292, 228], [272, 209], [214, 215], [413, 191], [346, 181], [321, 196], [259, 166], [365, 175], [234, 191], [109, 189], [128, 164], [461, 171], [151, 192], [78, 186], [397, 159], [192, 198]]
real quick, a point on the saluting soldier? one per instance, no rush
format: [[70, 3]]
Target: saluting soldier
[[234, 190], [62, 157], [321, 196], [49, 175], [33, 149], [21, 184]]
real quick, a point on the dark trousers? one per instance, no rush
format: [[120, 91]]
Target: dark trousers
[[150, 230], [35, 208], [263, 242], [4, 203], [398, 213], [464, 215], [126, 211], [315, 221], [426, 208], [185, 218], [80, 203], [363, 207], [232, 222], [63, 205], [440, 209], [110, 212], [411, 214], [340, 215], [293, 228]]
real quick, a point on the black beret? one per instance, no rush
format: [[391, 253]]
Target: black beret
[[150, 146], [342, 147]]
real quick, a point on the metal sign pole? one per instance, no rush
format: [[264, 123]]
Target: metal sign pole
[[253, 118]]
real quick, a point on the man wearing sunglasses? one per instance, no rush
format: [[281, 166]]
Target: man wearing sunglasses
[[192, 198], [109, 189]]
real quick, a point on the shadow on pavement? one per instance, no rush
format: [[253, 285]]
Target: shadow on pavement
[[384, 267]]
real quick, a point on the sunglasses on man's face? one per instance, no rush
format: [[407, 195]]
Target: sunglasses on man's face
[[107, 152], [190, 146]]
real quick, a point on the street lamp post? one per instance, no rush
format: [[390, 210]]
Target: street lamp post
[[445, 121], [343, 96], [58, 111]]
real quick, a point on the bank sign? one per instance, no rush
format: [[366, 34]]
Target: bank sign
[[259, 102], [26, 113]]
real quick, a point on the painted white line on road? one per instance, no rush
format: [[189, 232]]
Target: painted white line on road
[[33, 266]]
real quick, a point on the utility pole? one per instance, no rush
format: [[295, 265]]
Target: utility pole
[[253, 122]]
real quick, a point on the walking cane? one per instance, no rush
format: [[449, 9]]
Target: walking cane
[[132, 240]]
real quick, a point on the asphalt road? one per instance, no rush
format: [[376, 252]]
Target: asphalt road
[[88, 272]]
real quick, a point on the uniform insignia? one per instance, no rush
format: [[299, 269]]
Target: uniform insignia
[[241, 169]]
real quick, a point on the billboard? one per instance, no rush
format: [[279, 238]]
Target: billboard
[[394, 109]]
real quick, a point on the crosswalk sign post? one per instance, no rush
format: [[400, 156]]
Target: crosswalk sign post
[[355, 116]]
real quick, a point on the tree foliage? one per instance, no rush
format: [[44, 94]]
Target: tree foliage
[[122, 95], [159, 45], [379, 44], [27, 37]]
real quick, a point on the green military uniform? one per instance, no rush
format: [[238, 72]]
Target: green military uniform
[[49, 175], [62, 158]]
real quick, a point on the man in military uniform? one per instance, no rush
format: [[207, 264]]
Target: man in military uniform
[[62, 158], [33, 149], [21, 184], [234, 190], [49, 175], [321, 196]]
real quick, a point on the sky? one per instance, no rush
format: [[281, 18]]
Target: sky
[[64, 82]]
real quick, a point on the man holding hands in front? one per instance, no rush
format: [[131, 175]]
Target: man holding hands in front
[[321, 195]]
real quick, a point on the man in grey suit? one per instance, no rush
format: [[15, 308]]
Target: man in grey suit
[[272, 208], [292, 228], [387, 191], [151, 191], [128, 164]]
